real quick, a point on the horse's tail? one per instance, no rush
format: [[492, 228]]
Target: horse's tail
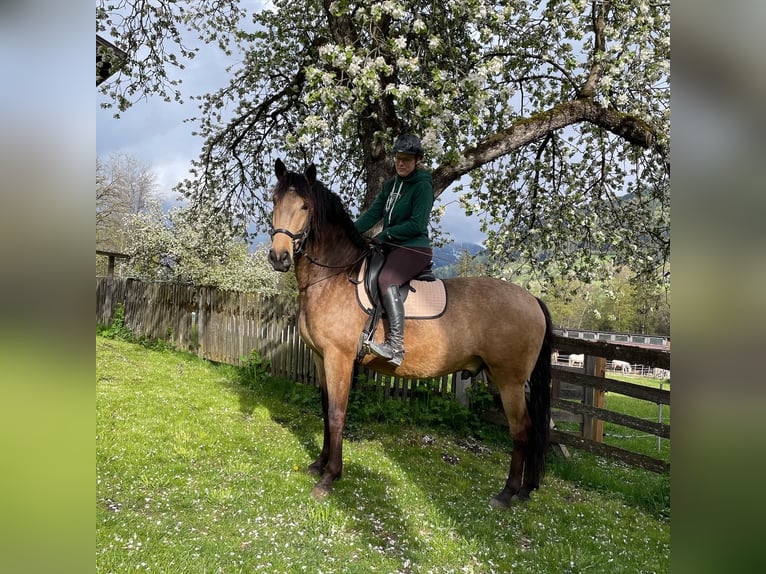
[[539, 407]]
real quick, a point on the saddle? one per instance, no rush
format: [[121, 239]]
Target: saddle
[[424, 297]]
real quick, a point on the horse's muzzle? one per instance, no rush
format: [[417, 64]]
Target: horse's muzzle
[[281, 262]]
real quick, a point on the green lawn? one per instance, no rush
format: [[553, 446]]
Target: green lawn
[[199, 473], [634, 440]]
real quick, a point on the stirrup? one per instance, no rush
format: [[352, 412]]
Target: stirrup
[[396, 359], [382, 350], [385, 351]]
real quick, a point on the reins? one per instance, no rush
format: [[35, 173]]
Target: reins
[[326, 266], [344, 266]]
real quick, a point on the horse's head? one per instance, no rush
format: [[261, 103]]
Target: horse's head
[[291, 218]]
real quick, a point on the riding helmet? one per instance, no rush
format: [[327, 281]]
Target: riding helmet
[[408, 143]]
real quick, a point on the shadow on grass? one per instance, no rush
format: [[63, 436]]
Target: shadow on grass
[[296, 407], [365, 493], [293, 406], [446, 483]]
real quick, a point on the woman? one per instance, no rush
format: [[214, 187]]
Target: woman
[[404, 204]]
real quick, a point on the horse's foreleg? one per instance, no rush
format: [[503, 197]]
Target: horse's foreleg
[[318, 466], [337, 382], [332, 467]]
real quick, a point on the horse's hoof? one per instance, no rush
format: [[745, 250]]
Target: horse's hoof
[[503, 500], [320, 492], [522, 496]]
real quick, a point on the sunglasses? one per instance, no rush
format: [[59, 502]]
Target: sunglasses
[[404, 158]]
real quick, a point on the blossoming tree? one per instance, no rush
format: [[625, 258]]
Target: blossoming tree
[[551, 119]]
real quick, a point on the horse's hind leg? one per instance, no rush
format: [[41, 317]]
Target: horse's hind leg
[[514, 405]]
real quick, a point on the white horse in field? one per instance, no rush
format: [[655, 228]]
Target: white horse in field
[[577, 360], [622, 365]]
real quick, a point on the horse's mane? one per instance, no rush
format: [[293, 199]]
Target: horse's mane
[[326, 207], [329, 210]]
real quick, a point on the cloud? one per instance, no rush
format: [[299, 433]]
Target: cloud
[[168, 174], [460, 226]]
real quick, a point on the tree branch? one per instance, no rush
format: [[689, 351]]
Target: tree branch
[[537, 127], [599, 46]]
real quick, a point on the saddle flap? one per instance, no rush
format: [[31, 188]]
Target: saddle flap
[[422, 299], [376, 260]]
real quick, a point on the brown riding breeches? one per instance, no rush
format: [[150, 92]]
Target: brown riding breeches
[[403, 264]]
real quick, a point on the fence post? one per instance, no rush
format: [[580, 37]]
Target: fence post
[[659, 420], [461, 387], [109, 294], [593, 428]]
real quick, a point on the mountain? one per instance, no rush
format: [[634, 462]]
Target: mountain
[[450, 254]]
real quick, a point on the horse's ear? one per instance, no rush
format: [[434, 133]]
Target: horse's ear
[[311, 174], [279, 169]]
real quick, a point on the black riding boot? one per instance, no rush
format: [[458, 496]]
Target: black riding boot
[[392, 349]]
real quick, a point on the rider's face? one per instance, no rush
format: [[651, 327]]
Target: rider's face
[[405, 164]]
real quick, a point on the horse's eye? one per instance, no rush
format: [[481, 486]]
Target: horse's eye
[[304, 207]]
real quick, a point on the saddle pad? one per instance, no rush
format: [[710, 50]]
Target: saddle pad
[[426, 299]]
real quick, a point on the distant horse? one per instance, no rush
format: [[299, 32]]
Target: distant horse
[[577, 360], [659, 373], [487, 324], [624, 366]]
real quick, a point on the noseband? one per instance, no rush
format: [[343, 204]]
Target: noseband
[[299, 239]]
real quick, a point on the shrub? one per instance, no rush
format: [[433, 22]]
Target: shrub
[[254, 370], [117, 329]]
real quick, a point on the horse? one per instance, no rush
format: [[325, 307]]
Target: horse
[[624, 366], [576, 360], [659, 373], [487, 324]]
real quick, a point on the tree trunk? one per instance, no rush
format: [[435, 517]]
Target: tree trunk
[[377, 119]]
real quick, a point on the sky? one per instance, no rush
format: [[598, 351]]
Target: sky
[[154, 132]]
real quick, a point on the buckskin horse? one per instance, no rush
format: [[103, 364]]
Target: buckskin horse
[[487, 324]]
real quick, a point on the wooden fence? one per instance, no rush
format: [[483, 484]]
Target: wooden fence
[[580, 394], [226, 326], [222, 326]]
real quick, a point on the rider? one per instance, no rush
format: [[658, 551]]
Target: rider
[[404, 204]]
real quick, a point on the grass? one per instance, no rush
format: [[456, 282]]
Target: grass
[[197, 472]]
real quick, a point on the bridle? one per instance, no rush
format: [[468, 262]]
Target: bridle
[[298, 239], [299, 246]]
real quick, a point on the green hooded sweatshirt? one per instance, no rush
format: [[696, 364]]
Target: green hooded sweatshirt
[[404, 204]]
